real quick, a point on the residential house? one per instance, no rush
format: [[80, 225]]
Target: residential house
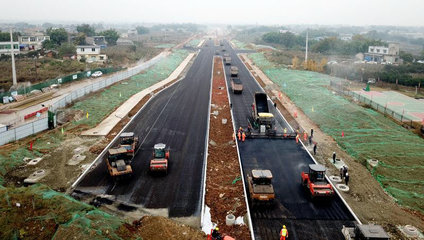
[[5, 48], [382, 54], [32, 42], [124, 42], [91, 53], [132, 32], [97, 41]]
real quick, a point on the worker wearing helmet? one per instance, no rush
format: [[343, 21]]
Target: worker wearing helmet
[[215, 234], [284, 234]]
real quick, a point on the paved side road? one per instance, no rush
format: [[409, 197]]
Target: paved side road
[[178, 117], [286, 159]]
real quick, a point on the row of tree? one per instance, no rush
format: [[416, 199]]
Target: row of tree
[[329, 45]]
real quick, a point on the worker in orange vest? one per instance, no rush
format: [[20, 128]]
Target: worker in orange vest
[[285, 132], [284, 233], [234, 137], [239, 135], [243, 137], [297, 138], [305, 136]]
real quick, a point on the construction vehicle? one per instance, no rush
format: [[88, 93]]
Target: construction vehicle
[[365, 232], [314, 181], [129, 142], [227, 60], [261, 118], [159, 163], [236, 85], [119, 162], [234, 71], [260, 187]]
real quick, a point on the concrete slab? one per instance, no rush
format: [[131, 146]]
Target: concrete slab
[[114, 118], [34, 161], [339, 162], [36, 176]]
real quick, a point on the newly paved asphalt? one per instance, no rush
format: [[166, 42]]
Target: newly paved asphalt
[[178, 117], [286, 159]]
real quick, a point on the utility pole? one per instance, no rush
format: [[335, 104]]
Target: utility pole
[[15, 82], [306, 52]]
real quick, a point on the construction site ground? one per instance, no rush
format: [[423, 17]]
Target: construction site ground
[[224, 187], [366, 196], [65, 154]]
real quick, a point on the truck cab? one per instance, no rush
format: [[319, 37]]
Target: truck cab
[[234, 71], [260, 112]]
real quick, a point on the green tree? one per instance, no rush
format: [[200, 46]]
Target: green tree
[[57, 36], [142, 30], [407, 57], [87, 29], [66, 49], [110, 35], [5, 36], [49, 44], [79, 39]]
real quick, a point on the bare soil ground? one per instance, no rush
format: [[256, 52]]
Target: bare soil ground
[[366, 197], [224, 188]]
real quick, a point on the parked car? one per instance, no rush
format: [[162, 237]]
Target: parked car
[[97, 74]]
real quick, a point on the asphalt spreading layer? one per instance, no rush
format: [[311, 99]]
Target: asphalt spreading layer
[[304, 218], [178, 117]]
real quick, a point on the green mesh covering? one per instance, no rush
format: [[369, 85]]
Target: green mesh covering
[[239, 45], [10, 160], [101, 105], [194, 43], [367, 133], [166, 45], [52, 215]]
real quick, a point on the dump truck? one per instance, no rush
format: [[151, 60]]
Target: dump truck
[[119, 162], [236, 85], [365, 232], [261, 190], [261, 116], [227, 60], [129, 141], [315, 183], [234, 71], [159, 163]]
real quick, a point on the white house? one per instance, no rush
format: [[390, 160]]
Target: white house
[[6, 49], [91, 53], [382, 54], [33, 42]]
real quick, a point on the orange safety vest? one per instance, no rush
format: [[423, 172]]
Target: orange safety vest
[[239, 135], [284, 233], [243, 137]]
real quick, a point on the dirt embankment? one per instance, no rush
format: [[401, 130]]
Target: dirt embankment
[[224, 188], [366, 197]]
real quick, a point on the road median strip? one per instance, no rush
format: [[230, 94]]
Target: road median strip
[[224, 191]]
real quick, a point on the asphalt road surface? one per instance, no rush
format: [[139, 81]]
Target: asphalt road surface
[[304, 218], [178, 117]]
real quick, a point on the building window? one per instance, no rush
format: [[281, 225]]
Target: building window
[[378, 50], [32, 39], [93, 49], [82, 49], [385, 51], [371, 49], [102, 58]]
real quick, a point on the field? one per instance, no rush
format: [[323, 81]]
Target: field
[[367, 133]]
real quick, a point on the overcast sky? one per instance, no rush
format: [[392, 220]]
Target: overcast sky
[[349, 12]]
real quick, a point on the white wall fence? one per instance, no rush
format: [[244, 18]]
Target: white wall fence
[[39, 125], [23, 131]]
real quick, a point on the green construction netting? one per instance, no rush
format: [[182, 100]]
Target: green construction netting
[[45, 143], [166, 45], [367, 133], [102, 104], [53, 215], [194, 43], [239, 45]]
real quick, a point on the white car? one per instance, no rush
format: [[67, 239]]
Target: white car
[[97, 74]]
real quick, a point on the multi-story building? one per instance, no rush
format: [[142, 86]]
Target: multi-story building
[[32, 42], [91, 53], [382, 54], [5, 48]]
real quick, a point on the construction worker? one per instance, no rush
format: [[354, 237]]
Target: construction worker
[[284, 234], [347, 178], [239, 135], [234, 137], [243, 137], [297, 138], [334, 157], [312, 132], [315, 148], [215, 234], [305, 136], [285, 132]]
